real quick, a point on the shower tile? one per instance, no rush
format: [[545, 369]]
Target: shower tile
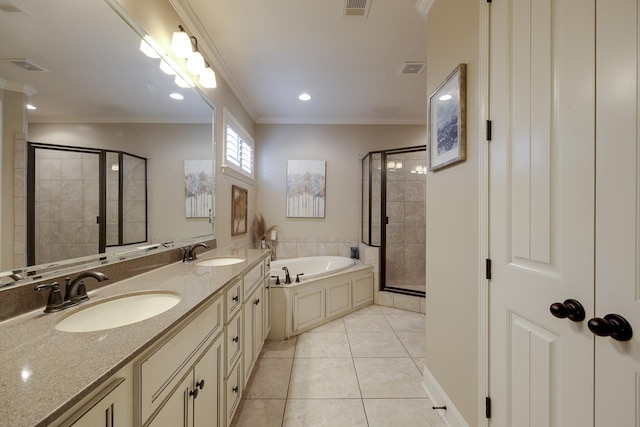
[[415, 253], [71, 191], [423, 305], [19, 212], [90, 167], [71, 212], [90, 212], [329, 239], [385, 299], [48, 169], [324, 413], [345, 248], [421, 362], [395, 191], [415, 233], [414, 191], [396, 212], [307, 240], [71, 169], [406, 302], [396, 175], [396, 233], [91, 190], [415, 275], [415, 212], [286, 250], [48, 191], [18, 183]]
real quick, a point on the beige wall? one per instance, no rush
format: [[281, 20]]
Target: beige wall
[[452, 218], [159, 19], [165, 145], [342, 147]]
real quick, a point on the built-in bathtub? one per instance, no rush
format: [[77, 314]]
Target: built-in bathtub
[[310, 267], [330, 288]]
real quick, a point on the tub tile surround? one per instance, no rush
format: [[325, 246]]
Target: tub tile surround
[[369, 387], [295, 247], [31, 349]]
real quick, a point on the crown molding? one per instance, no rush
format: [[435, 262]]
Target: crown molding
[[341, 120], [18, 87]]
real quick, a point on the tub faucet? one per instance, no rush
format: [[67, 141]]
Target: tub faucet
[[287, 278]]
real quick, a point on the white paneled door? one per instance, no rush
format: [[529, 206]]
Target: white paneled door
[[541, 231], [565, 213], [617, 363]]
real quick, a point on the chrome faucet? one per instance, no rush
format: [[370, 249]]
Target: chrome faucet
[[287, 278], [75, 291], [189, 252]]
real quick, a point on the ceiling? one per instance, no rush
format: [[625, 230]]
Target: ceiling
[[271, 51]]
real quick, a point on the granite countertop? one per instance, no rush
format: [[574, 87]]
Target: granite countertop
[[44, 372]]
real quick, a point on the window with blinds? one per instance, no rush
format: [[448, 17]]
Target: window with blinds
[[238, 147]]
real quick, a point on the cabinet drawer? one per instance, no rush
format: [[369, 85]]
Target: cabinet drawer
[[234, 342], [233, 297], [233, 392], [163, 368], [253, 279]]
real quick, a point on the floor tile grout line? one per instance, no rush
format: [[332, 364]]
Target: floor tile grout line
[[286, 399], [355, 371]]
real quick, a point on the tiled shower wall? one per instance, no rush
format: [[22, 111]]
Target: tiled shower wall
[[292, 247], [67, 195]]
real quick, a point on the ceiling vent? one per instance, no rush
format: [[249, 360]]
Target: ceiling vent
[[25, 64], [10, 7], [412, 68], [356, 8]]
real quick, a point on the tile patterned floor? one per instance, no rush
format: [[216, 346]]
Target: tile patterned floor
[[362, 370]]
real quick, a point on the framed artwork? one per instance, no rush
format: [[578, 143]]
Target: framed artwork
[[306, 186], [447, 121], [198, 188], [238, 210]]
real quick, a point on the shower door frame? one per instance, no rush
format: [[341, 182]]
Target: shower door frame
[[384, 219]]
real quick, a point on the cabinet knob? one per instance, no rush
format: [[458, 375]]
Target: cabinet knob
[[235, 298], [200, 384], [235, 389], [194, 393], [256, 302], [234, 339]]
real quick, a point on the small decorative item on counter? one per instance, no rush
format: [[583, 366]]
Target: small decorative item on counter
[[354, 252], [260, 233]]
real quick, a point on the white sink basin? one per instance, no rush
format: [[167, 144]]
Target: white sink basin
[[120, 311], [219, 262]]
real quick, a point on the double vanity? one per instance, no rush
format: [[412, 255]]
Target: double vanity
[[171, 347]]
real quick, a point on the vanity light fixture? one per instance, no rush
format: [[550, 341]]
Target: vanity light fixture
[[208, 78], [177, 96], [115, 167], [181, 43], [149, 47], [195, 61], [393, 166], [304, 97], [168, 66], [420, 170], [31, 107]]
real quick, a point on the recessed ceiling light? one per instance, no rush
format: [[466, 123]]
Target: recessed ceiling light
[[445, 97], [176, 95], [31, 107], [304, 97]]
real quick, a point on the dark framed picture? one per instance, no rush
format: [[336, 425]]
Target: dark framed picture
[[238, 210], [447, 121]]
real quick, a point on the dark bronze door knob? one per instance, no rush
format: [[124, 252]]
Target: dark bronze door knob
[[569, 308], [613, 325]]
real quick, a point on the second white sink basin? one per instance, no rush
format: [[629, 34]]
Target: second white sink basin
[[120, 311], [221, 261]]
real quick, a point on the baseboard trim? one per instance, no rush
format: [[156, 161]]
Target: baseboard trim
[[451, 417]]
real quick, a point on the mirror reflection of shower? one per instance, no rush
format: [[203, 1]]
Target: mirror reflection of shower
[[81, 201], [394, 207]]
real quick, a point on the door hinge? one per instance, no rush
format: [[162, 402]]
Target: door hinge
[[489, 127], [487, 266], [487, 407]]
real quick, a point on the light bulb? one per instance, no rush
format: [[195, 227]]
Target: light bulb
[[195, 63], [304, 97], [445, 97], [208, 78], [398, 165], [168, 66], [181, 44]]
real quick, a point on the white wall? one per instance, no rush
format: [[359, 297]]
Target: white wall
[[166, 146], [452, 218], [342, 147]]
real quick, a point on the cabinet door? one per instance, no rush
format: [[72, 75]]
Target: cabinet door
[[234, 341], [247, 339], [107, 411], [363, 290], [308, 307], [338, 297], [258, 321], [177, 410], [208, 380], [266, 309]]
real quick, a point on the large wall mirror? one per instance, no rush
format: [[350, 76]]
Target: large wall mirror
[[80, 65]]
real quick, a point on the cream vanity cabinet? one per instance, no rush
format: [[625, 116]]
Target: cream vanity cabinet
[[179, 383], [256, 307]]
